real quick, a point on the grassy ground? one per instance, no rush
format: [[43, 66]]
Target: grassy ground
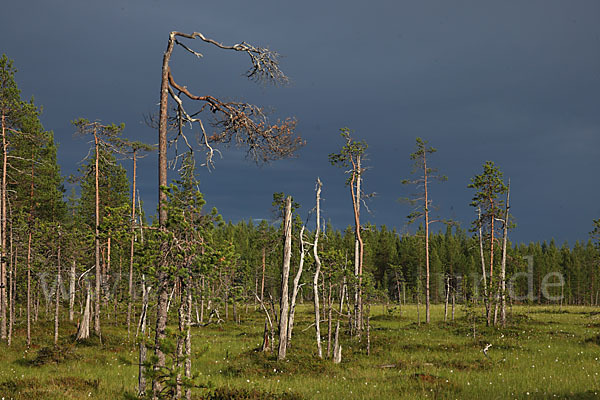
[[546, 352]]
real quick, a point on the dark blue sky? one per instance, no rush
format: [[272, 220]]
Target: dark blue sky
[[516, 82]]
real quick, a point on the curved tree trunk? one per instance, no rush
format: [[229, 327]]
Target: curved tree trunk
[[317, 271], [285, 273]]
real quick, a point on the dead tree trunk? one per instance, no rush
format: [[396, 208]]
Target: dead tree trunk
[[72, 291], [3, 302], [337, 348], [358, 244], [317, 270], [12, 278], [84, 326], [296, 288], [58, 286], [481, 254], [285, 273], [97, 235], [142, 330], [130, 286], [503, 270]]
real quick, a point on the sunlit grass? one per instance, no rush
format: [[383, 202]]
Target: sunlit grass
[[545, 352]]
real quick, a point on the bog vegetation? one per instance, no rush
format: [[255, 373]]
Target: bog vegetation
[[99, 300]]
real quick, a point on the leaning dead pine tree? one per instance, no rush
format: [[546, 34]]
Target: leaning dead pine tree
[[235, 122]]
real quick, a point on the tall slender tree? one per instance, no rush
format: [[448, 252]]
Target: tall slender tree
[[489, 185], [423, 202], [104, 137], [350, 157]]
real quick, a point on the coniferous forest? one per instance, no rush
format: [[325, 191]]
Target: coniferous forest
[[90, 277]]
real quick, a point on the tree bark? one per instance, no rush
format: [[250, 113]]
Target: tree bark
[[3, 255], [58, 286], [295, 289], [72, 291], [84, 326], [285, 273], [130, 286], [426, 212], [317, 270], [142, 346], [503, 270], [162, 295], [97, 237], [482, 256], [355, 191]]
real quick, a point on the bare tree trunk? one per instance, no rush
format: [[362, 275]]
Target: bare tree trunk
[[84, 326], [131, 247], [426, 212], [329, 317], [358, 244], [3, 302], [262, 283], [188, 343], [368, 329], [202, 302], [503, 270], [72, 291], [97, 237], [162, 295], [29, 287], [447, 298], [337, 348], [58, 285], [12, 277], [453, 300], [317, 270], [491, 289], [296, 288], [485, 290], [285, 273], [142, 331]]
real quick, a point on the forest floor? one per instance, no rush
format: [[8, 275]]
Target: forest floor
[[545, 352]]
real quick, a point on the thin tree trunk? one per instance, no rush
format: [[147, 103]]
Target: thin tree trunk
[[262, 283], [426, 212], [58, 285], [3, 302], [84, 326], [296, 288], [492, 220], [503, 270], [72, 291], [131, 247], [329, 316], [317, 270], [337, 348], [29, 287], [188, 341], [447, 298], [162, 295], [285, 273], [485, 290], [453, 300], [97, 237], [142, 346], [358, 244], [12, 277]]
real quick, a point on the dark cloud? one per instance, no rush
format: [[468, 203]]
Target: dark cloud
[[515, 82]]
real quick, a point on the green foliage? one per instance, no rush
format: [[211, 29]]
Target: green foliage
[[347, 157], [488, 186]]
